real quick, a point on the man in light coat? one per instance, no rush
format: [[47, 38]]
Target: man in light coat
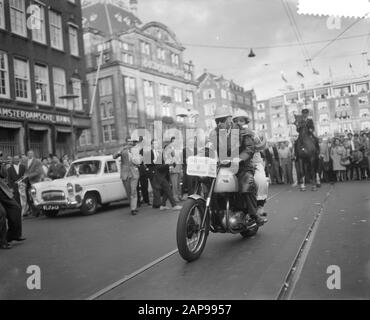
[[130, 162]]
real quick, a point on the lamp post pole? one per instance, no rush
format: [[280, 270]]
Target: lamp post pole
[[68, 98]]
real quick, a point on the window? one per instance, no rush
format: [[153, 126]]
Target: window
[[42, 84], [178, 95], [109, 133], [56, 33], [111, 167], [145, 48], [132, 109], [180, 119], [77, 90], [261, 106], [22, 80], [175, 60], [363, 100], [150, 110], [362, 88], [127, 58], [324, 117], [210, 109], [161, 54], [223, 94], [262, 116], [60, 88], [38, 33], [106, 110], [85, 138], [4, 75], [166, 112], [73, 40], [209, 94], [323, 105], [364, 113], [18, 17], [2, 16], [130, 85], [189, 97], [340, 92], [164, 90], [239, 99], [148, 88], [105, 87]]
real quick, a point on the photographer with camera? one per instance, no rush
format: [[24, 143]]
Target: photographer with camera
[[9, 211]]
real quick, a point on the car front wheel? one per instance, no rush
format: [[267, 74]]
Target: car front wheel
[[90, 204]]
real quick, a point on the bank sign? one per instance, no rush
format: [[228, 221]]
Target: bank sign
[[34, 116]]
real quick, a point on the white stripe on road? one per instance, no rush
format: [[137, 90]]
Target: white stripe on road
[[145, 268]]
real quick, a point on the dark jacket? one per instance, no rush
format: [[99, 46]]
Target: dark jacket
[[270, 157], [56, 171], [13, 177]]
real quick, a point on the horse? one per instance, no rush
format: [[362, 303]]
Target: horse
[[307, 156]]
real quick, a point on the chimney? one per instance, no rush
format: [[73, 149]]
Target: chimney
[[205, 70], [134, 7]]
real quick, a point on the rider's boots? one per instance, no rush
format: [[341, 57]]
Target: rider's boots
[[251, 201]]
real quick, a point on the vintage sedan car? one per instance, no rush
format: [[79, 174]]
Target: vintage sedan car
[[88, 183]]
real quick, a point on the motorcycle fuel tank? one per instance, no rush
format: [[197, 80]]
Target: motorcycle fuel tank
[[226, 182]]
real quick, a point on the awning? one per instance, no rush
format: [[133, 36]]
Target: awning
[[63, 130], [36, 127], [10, 125]]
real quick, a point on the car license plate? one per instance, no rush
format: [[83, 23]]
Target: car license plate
[[50, 208]]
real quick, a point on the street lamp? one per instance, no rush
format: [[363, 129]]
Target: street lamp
[[71, 98]]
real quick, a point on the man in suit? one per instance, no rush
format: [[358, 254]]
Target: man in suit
[[34, 174], [273, 163], [15, 172], [143, 185], [130, 161], [11, 211], [161, 187]]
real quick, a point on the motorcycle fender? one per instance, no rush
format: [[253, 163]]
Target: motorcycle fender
[[196, 197]]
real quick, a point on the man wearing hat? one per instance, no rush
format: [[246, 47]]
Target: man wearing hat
[[308, 123], [130, 162]]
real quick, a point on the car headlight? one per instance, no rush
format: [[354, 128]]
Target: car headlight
[[78, 188], [70, 188]]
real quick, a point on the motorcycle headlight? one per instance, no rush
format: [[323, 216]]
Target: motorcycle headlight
[[70, 188]]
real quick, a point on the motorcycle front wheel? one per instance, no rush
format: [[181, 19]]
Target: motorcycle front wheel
[[191, 238]]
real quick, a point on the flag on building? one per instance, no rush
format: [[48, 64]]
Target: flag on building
[[300, 74], [316, 72], [283, 77]]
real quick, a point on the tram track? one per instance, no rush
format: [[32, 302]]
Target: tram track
[[286, 288], [293, 275]]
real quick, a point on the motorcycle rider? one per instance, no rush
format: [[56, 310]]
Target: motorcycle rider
[[223, 118], [241, 118]]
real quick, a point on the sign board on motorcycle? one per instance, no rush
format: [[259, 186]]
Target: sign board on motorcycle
[[202, 167]]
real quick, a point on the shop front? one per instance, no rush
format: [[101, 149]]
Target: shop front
[[44, 133]]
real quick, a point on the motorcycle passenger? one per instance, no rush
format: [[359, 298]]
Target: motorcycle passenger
[[241, 118], [223, 118]]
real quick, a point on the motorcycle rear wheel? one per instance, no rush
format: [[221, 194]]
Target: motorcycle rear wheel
[[191, 240]]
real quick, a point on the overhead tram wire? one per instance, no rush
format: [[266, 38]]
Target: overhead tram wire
[[288, 45], [338, 36], [296, 30]]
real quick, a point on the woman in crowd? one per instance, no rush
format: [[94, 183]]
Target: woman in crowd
[[336, 154]]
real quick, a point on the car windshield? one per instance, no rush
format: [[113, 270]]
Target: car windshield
[[84, 168]]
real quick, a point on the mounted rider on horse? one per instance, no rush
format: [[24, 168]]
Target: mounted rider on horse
[[307, 150]]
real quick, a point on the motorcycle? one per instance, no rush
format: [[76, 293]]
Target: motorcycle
[[215, 206]]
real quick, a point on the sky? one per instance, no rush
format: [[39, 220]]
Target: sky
[[260, 23]]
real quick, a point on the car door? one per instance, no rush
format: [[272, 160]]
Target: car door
[[113, 186]]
